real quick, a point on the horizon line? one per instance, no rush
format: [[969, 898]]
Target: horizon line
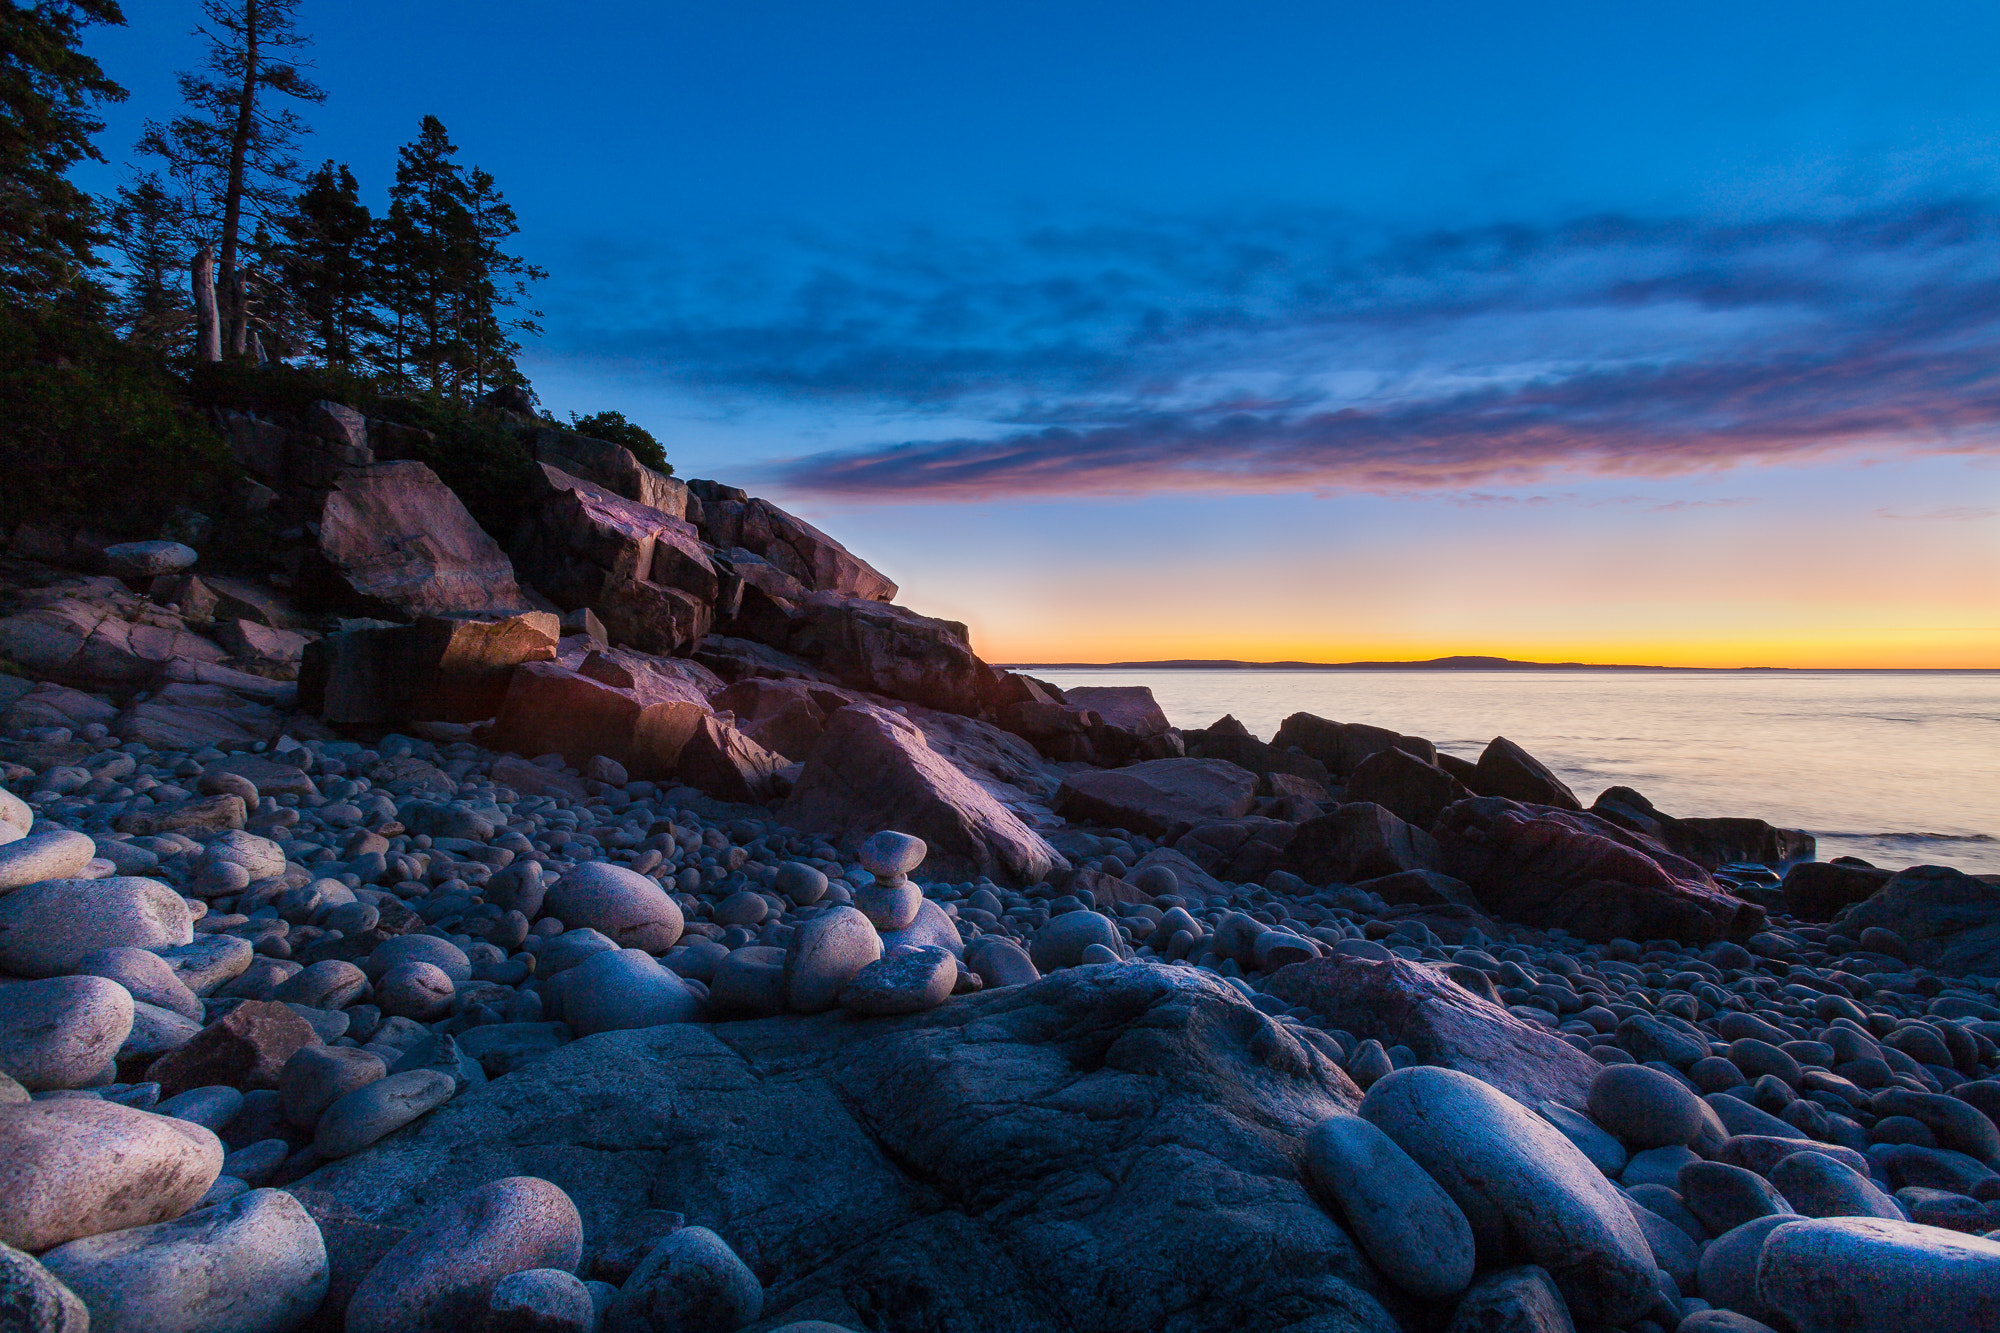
[[1456, 662]]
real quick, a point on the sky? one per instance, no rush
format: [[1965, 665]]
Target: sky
[[1322, 331]]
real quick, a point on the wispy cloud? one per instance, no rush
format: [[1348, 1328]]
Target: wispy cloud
[[1953, 514], [1314, 353]]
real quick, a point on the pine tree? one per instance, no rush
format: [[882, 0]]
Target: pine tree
[[231, 151], [150, 225], [445, 277], [48, 89], [329, 268], [427, 218], [492, 282]]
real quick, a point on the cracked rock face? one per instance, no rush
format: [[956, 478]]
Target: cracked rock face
[[1111, 1148]]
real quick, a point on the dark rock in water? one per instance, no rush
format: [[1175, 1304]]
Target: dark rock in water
[[1709, 843], [1359, 841], [1821, 890], [1414, 791], [1949, 920], [1408, 1004], [1148, 1109], [1161, 797], [873, 770], [1506, 770], [1549, 867], [1342, 746]]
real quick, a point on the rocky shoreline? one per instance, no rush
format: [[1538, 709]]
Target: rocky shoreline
[[652, 926]]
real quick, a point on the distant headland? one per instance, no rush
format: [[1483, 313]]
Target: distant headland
[[1459, 663]]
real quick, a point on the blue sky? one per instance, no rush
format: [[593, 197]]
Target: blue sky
[[1268, 330]]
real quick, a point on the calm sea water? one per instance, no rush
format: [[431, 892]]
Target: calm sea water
[[1901, 768]]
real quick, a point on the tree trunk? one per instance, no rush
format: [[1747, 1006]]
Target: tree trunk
[[232, 199], [208, 327]]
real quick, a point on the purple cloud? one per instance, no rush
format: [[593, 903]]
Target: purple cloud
[[1308, 352]]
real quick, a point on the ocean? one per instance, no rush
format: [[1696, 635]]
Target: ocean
[[1899, 768]]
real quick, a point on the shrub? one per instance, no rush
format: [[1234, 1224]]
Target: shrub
[[614, 427], [93, 432]]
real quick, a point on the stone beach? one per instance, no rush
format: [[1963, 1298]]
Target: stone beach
[[650, 926]]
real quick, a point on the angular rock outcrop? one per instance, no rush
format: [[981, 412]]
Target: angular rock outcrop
[[873, 769], [612, 466], [1342, 746], [1357, 841], [817, 561], [641, 570], [884, 649], [1548, 867], [395, 541], [1148, 1115]]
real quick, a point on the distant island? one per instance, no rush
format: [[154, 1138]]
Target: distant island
[[1460, 663]]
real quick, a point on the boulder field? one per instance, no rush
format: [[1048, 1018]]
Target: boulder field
[[641, 923]]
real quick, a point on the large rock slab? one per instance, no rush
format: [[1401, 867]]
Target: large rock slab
[[1868, 1275], [1548, 867], [89, 642], [1119, 1146], [872, 770], [612, 466], [1161, 798], [870, 645], [187, 716], [395, 541], [1398, 1002]]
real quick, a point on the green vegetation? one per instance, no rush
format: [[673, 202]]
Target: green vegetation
[[245, 284], [614, 427]]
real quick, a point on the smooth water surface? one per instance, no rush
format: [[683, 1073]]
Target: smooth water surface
[[1901, 768]]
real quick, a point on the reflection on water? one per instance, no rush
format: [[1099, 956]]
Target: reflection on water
[[1897, 767]]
